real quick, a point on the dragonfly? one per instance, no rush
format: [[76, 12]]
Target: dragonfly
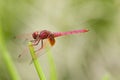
[[40, 36]]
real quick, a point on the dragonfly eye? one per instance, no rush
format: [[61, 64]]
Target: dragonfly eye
[[35, 35]]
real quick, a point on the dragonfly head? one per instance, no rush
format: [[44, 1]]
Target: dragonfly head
[[35, 35]]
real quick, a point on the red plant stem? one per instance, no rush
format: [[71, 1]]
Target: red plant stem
[[57, 34]]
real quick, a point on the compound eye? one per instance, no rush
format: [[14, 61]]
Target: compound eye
[[34, 35]]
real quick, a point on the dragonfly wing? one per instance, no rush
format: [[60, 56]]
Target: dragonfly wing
[[51, 40]]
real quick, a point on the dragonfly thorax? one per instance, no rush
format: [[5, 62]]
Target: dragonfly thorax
[[44, 34]]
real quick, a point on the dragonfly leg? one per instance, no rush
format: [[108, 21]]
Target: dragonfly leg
[[41, 46], [33, 41], [36, 42]]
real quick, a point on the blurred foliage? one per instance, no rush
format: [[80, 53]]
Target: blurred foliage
[[13, 15]]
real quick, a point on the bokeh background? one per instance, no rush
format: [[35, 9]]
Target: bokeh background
[[88, 56]]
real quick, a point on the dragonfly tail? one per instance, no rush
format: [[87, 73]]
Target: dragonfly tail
[[57, 34]]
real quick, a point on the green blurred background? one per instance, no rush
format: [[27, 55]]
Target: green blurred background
[[88, 56]]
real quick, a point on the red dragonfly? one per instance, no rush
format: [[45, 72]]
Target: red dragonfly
[[39, 36]]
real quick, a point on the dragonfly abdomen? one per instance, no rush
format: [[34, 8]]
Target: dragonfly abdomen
[[57, 34]]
